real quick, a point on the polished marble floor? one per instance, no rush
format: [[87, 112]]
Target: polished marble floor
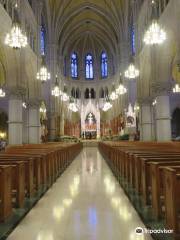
[[86, 203]]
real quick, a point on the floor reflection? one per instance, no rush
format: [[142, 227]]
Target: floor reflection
[[86, 202]]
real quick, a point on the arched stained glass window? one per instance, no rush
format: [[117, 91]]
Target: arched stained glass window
[[89, 66], [104, 65], [43, 36], [133, 40], [74, 65]]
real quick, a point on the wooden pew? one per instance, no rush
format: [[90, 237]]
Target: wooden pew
[[157, 180], [172, 199], [5, 192], [18, 181]]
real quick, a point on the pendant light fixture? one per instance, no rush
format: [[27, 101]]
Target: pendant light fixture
[[43, 75], [107, 105], [56, 92], [176, 88], [16, 39], [154, 35], [72, 106], [2, 93], [132, 72], [121, 90]]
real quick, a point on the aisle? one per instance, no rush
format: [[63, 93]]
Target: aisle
[[86, 203]]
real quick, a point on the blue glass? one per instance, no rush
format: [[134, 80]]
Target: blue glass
[[74, 65], [104, 65], [43, 40], [133, 40], [89, 66]]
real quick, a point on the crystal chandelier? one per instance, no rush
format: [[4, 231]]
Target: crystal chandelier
[[43, 75], [121, 89], [155, 34], [24, 105], [132, 72], [72, 106], [64, 97], [154, 102], [136, 107], [2, 93], [107, 105], [113, 96], [176, 88], [16, 39], [56, 92]]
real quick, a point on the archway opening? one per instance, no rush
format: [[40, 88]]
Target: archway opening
[[176, 123]]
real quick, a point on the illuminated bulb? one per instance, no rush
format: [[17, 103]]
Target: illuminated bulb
[[132, 72], [155, 34], [176, 89], [113, 96], [15, 39], [2, 93]]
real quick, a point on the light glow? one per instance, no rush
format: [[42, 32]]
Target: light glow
[[16, 39], [132, 72], [155, 34]]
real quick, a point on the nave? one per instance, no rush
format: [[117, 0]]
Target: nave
[[86, 202]]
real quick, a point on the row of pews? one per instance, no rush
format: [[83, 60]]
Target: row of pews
[[28, 169], [153, 171]]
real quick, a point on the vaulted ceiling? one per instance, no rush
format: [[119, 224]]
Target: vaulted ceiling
[[75, 22]]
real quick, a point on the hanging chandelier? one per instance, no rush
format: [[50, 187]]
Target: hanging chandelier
[[64, 97], [176, 88], [155, 34], [121, 89], [136, 107], [107, 105], [113, 96], [132, 72], [2, 93], [72, 106], [43, 75], [56, 92], [16, 39], [24, 105]]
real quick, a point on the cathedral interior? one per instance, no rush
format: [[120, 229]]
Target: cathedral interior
[[89, 119]]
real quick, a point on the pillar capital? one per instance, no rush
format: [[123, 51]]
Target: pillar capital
[[145, 100], [34, 103], [161, 88], [16, 92]]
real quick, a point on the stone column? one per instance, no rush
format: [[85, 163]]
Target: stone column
[[163, 119], [62, 123], [52, 129], [15, 128], [34, 122], [162, 111], [146, 123]]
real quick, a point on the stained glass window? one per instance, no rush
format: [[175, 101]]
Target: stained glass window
[[89, 66], [133, 40], [43, 33], [74, 65], [104, 65]]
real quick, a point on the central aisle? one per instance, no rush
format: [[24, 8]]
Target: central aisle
[[86, 203]]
